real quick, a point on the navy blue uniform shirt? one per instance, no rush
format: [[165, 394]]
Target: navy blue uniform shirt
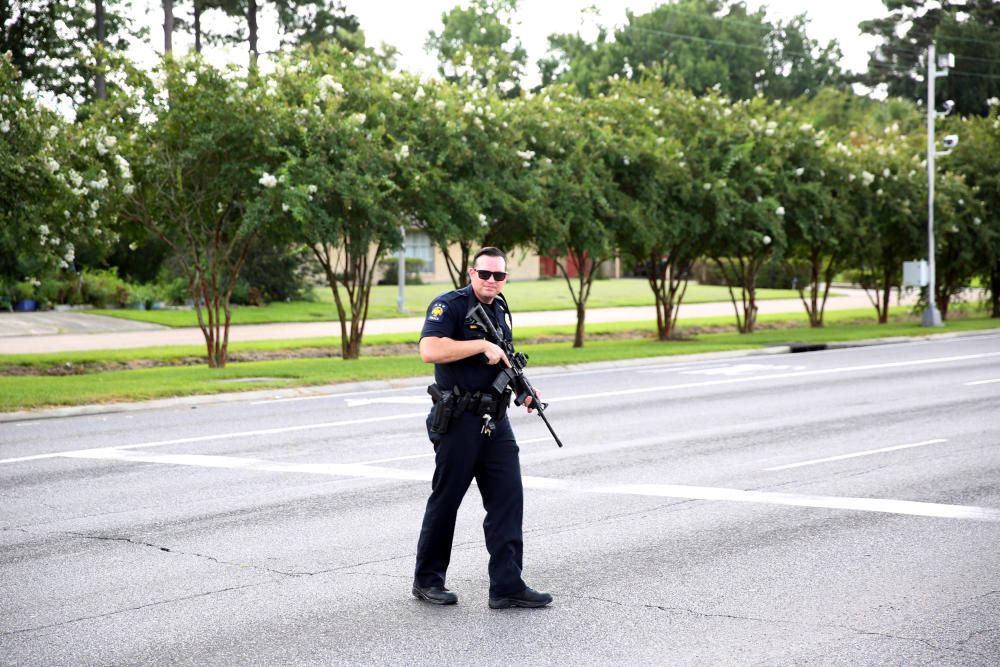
[[446, 319]]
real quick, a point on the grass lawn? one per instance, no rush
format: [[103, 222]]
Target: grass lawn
[[524, 296], [606, 343]]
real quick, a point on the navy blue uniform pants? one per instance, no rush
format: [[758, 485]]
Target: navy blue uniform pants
[[464, 454]]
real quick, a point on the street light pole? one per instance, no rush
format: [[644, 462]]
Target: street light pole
[[931, 318], [401, 273]]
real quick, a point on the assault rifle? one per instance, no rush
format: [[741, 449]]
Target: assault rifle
[[514, 374]]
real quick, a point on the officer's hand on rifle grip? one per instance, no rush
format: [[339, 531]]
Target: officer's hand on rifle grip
[[529, 400], [494, 354]]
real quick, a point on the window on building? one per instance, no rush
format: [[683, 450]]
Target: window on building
[[419, 246]]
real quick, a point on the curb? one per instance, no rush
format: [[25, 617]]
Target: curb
[[347, 388]]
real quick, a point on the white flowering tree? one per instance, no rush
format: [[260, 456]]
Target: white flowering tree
[[818, 210], [337, 185], [659, 140], [59, 184], [962, 242], [468, 185], [202, 155], [892, 208], [568, 152], [977, 158], [748, 176]]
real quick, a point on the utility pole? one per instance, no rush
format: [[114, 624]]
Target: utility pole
[[932, 317], [100, 88], [168, 26], [401, 275]]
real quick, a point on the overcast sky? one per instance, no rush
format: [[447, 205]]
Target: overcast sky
[[405, 24]]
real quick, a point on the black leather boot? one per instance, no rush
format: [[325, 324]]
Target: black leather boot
[[434, 595]]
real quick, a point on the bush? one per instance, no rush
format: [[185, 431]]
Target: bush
[[274, 272], [244, 294], [787, 274], [706, 272], [23, 290], [390, 271], [48, 292], [103, 287], [171, 289]]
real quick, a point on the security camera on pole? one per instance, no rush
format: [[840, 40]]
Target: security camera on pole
[[932, 317]]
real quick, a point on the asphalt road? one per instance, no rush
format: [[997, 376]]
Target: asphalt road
[[827, 508]]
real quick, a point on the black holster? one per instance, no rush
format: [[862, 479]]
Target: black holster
[[444, 410]]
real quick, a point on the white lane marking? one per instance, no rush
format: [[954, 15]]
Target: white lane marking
[[225, 436], [390, 400], [773, 376], [547, 438], [884, 505], [315, 397], [624, 392], [868, 452], [973, 384], [397, 458], [234, 463], [742, 369]]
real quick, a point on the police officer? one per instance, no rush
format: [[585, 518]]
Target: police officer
[[477, 443]]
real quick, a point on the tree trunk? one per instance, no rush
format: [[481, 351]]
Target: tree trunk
[[168, 26], [100, 88], [746, 273], [943, 301], [995, 289], [197, 10], [457, 270], [663, 306], [883, 307], [357, 282], [252, 29], [820, 278], [586, 270]]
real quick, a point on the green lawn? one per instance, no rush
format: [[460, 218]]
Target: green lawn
[[524, 296], [23, 392]]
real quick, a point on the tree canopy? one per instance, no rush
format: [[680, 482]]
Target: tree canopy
[[970, 29], [699, 44]]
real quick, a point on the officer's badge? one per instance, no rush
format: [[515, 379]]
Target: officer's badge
[[437, 312]]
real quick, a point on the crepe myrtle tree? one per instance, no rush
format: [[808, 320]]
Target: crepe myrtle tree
[[60, 183], [977, 159], [750, 228], [199, 160], [337, 186], [962, 242], [567, 152], [818, 210], [663, 220], [466, 185], [892, 202]]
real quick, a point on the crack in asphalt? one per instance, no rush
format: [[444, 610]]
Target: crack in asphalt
[[126, 610], [687, 610], [778, 621], [129, 540]]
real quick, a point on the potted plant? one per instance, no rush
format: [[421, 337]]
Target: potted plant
[[24, 296]]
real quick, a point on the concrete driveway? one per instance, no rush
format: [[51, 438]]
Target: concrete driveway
[[66, 322]]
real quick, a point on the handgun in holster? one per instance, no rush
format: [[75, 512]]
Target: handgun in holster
[[445, 403]]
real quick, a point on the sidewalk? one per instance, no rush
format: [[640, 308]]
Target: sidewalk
[[122, 334]]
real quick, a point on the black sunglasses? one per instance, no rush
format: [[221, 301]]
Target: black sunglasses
[[498, 276]]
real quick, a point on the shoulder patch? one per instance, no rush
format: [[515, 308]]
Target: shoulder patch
[[437, 311]]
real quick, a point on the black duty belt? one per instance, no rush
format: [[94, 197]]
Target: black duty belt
[[485, 404]]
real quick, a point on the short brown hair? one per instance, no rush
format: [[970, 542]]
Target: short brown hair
[[489, 251]]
